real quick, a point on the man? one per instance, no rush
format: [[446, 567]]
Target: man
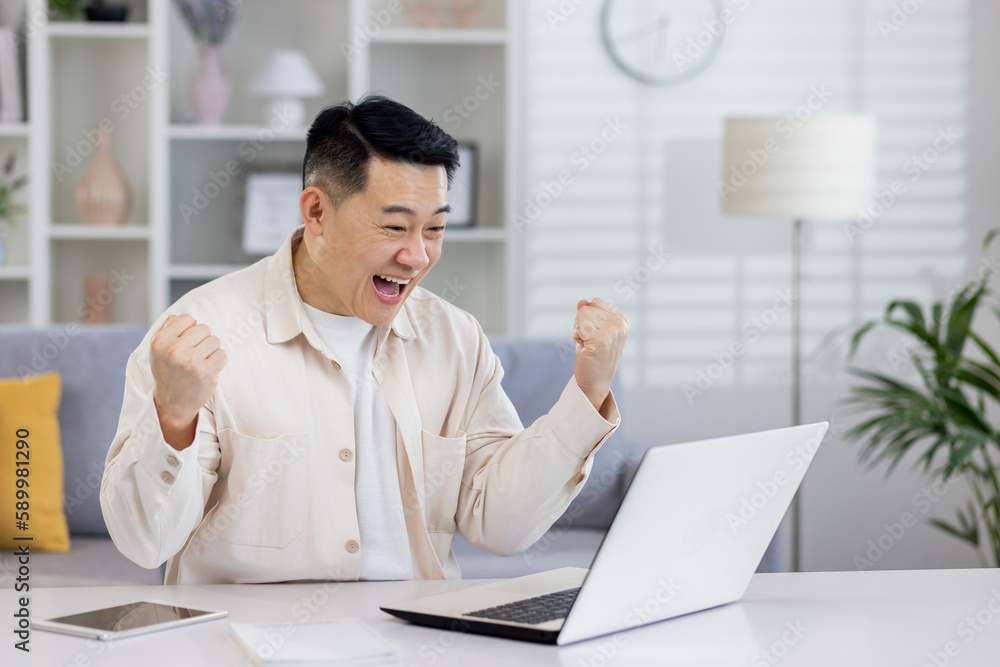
[[319, 416]]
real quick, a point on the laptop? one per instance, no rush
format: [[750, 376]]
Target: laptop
[[688, 536]]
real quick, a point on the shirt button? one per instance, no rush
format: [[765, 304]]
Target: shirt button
[[345, 455], [352, 546], [172, 460], [167, 477]]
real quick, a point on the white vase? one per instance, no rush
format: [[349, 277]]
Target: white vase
[[103, 196], [210, 87]]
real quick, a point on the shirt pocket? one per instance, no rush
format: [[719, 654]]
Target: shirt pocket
[[263, 502], [444, 462]]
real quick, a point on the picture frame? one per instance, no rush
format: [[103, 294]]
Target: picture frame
[[270, 207], [462, 194]]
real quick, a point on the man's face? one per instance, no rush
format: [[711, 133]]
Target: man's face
[[381, 242]]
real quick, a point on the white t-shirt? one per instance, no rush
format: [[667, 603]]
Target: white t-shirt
[[385, 551]]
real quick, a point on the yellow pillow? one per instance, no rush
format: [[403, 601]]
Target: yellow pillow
[[31, 466]]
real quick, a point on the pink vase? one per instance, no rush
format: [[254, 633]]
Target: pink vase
[[103, 196], [210, 87], [98, 298]]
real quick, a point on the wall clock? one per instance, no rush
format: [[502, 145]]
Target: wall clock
[[663, 42]]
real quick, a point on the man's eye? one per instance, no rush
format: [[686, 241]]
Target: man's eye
[[437, 230], [395, 228]]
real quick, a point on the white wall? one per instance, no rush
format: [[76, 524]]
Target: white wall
[[723, 270]]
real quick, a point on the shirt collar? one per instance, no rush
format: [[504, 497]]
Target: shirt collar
[[284, 318]]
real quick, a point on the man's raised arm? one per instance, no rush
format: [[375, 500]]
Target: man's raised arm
[[161, 466]]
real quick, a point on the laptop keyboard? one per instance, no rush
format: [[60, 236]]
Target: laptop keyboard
[[532, 610]]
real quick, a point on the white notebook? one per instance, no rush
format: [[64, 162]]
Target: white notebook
[[348, 641]]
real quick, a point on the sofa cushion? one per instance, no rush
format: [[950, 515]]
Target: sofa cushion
[[91, 361], [32, 469], [535, 373]]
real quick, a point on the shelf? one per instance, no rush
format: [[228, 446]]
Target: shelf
[[81, 231], [475, 235], [441, 36], [97, 30], [13, 129], [82, 69], [14, 272], [201, 271], [234, 133]]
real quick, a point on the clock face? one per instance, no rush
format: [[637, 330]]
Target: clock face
[[663, 42]]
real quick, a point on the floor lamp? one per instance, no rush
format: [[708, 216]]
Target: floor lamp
[[822, 168]]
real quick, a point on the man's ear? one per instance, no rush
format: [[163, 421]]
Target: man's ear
[[314, 205]]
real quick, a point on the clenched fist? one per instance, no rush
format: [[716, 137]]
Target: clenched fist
[[185, 359], [600, 332]]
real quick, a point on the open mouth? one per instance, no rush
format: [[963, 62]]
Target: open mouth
[[389, 288]]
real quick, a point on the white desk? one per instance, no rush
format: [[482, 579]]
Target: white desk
[[910, 618]]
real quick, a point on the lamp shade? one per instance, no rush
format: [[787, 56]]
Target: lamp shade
[[287, 73], [821, 168]]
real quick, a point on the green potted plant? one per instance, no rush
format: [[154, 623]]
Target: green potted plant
[[944, 416], [9, 209], [66, 9]]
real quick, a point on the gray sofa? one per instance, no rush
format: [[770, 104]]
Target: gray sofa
[[91, 361]]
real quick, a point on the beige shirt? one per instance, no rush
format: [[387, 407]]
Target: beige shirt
[[266, 492]]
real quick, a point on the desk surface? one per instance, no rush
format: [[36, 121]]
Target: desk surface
[[929, 617]]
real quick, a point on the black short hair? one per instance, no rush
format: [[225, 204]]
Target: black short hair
[[343, 138]]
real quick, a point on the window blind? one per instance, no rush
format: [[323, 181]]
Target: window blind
[[636, 217]]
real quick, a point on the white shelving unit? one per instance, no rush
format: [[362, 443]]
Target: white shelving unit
[[77, 70], [76, 73]]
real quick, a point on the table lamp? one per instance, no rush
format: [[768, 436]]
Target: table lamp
[[286, 78], [821, 168]]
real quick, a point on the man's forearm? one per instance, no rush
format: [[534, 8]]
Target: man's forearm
[[179, 433]]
